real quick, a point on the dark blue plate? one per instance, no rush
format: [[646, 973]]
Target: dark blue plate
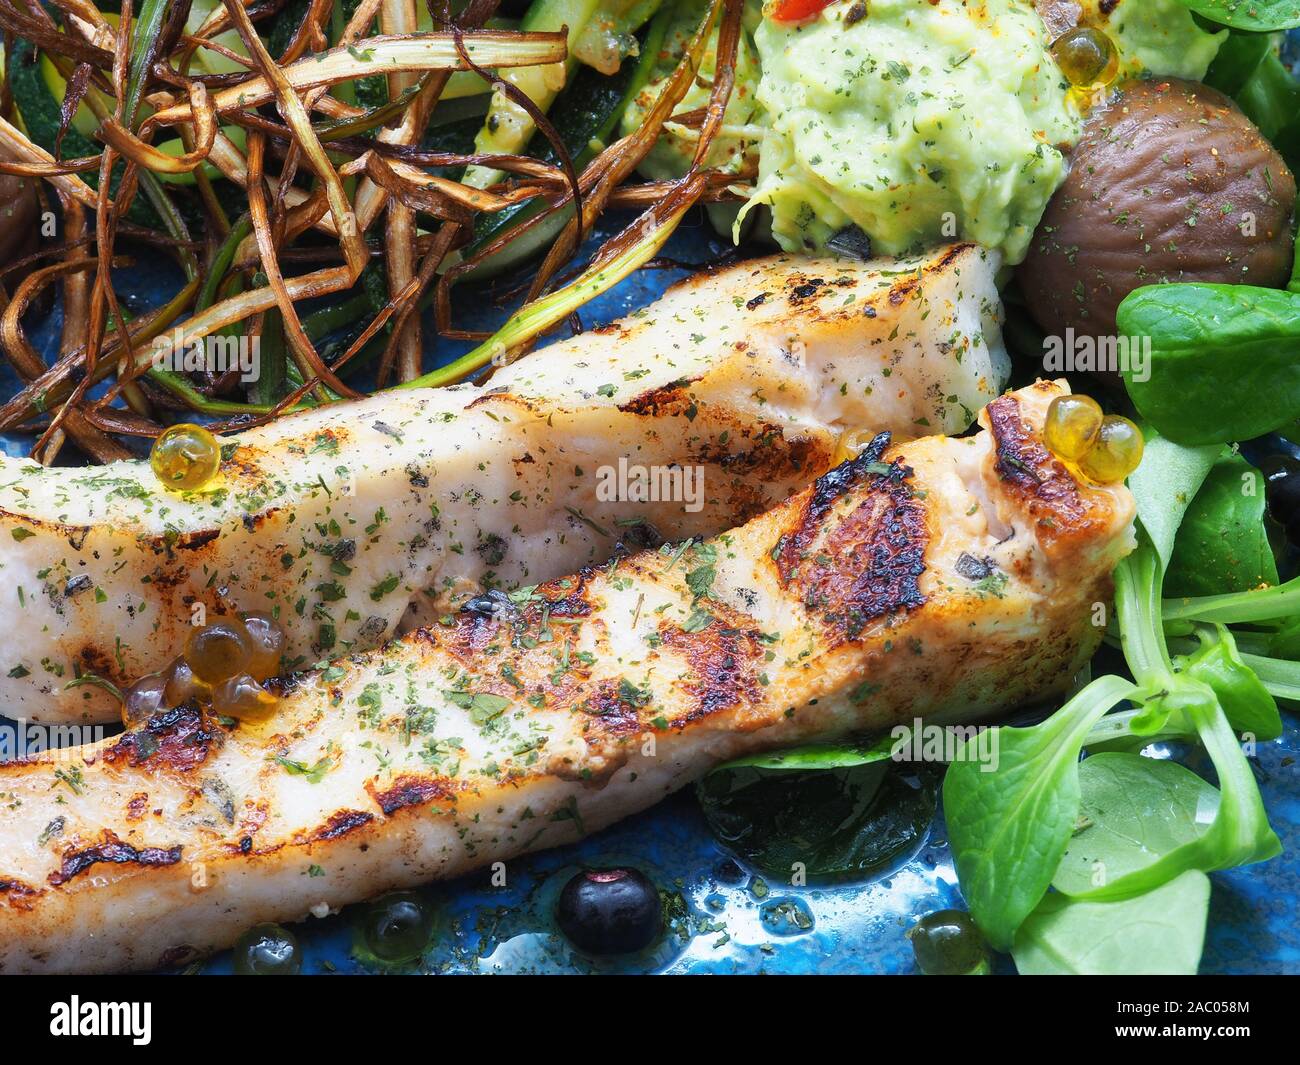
[[724, 919]]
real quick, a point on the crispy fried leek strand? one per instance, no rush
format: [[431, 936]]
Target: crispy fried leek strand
[[382, 55], [298, 339], [657, 225], [14, 142], [295, 115], [30, 367], [128, 144], [636, 147], [167, 101]]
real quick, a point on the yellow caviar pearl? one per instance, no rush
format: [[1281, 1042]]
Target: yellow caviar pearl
[[1072, 425], [1117, 452], [242, 697], [185, 457], [1087, 57], [219, 651]]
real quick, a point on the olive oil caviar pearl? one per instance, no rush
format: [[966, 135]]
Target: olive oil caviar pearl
[[1087, 57], [219, 651], [1072, 425], [1116, 453], [1106, 448], [222, 668], [185, 458], [947, 943]]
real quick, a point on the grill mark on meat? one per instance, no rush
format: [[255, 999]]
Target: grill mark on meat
[[672, 398], [176, 739], [1037, 480], [113, 851], [340, 824], [409, 790], [723, 665], [18, 895], [868, 563]]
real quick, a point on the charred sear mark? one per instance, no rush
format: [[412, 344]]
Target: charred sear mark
[[617, 705], [17, 894], [867, 564], [339, 824], [98, 663], [672, 398], [410, 790], [1043, 486], [723, 665], [803, 290], [192, 541], [115, 852], [762, 452], [176, 739]]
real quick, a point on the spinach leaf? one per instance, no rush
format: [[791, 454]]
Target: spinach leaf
[[1159, 933], [1009, 828], [1222, 545], [1258, 15], [1237, 61], [846, 822], [1225, 360], [1132, 810], [1271, 94]]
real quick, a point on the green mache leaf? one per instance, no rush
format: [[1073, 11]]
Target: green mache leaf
[[1281, 676], [1261, 16], [1222, 544], [818, 756], [1159, 933], [1249, 707], [1132, 810], [1164, 486], [1225, 360], [1009, 828], [1285, 643], [1240, 833]]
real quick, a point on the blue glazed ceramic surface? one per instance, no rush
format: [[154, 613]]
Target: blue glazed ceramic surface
[[724, 919]]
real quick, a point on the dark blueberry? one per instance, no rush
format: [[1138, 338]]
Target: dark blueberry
[[610, 911], [1282, 475]]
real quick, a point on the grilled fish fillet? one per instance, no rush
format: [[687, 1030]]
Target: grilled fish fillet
[[947, 578], [336, 520]]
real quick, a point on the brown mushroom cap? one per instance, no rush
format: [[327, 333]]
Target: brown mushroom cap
[[1170, 182]]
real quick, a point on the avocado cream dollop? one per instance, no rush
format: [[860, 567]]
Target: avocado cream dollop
[[927, 120]]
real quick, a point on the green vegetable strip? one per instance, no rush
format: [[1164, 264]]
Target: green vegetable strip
[[1260, 604], [1281, 678], [144, 40], [535, 240], [537, 317], [508, 128]]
